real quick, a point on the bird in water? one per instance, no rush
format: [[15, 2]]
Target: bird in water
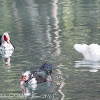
[[6, 48], [90, 52], [41, 75], [5, 43]]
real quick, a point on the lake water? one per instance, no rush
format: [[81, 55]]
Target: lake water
[[45, 31]]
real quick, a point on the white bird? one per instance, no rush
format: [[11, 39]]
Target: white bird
[[5, 43], [90, 52]]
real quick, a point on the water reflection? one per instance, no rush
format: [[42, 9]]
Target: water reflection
[[56, 27], [6, 56], [48, 26], [28, 90], [17, 20], [85, 65], [57, 41], [60, 81]]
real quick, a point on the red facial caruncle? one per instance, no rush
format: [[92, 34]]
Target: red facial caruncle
[[23, 79], [6, 38]]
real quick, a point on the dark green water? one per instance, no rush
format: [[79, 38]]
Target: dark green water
[[45, 31]]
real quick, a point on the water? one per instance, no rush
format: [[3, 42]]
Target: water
[[45, 31]]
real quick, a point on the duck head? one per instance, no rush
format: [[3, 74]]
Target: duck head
[[25, 77], [6, 38]]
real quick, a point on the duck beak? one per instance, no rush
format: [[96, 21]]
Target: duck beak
[[22, 82], [23, 79]]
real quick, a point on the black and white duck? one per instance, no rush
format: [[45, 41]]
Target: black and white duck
[[41, 75]]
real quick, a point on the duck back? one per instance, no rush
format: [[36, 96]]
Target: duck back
[[47, 68], [90, 52], [43, 73]]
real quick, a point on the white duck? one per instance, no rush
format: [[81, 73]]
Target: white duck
[[90, 52], [5, 43]]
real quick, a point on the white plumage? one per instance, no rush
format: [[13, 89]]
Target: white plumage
[[90, 52]]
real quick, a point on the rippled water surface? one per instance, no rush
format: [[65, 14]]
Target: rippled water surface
[[45, 31]]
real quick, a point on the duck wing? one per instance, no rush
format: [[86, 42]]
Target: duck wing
[[12, 44]]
